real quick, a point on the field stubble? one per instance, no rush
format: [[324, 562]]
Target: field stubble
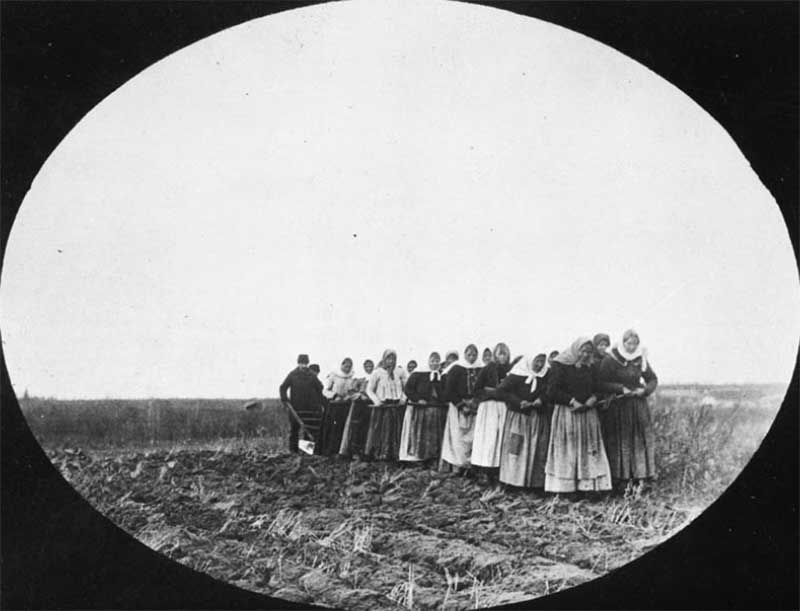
[[372, 535]]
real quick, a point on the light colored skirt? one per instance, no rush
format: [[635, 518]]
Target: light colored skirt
[[423, 427], [629, 439], [489, 423], [524, 451], [576, 456], [457, 439], [385, 428]]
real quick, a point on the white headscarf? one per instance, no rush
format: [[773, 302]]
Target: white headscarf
[[397, 369], [462, 361], [571, 355], [640, 352], [341, 373], [432, 375], [524, 367]]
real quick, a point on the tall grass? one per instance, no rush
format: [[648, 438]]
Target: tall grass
[[701, 448]]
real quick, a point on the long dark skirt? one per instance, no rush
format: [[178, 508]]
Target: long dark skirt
[[385, 429], [629, 439], [356, 428], [333, 422], [423, 427]]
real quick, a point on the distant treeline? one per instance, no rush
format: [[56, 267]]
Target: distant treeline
[[729, 392], [134, 421]]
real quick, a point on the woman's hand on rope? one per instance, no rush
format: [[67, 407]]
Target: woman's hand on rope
[[576, 406]]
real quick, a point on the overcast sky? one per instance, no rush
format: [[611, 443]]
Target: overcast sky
[[354, 176]]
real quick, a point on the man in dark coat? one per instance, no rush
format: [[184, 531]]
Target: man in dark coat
[[302, 389]]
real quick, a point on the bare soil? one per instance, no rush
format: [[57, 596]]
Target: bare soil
[[359, 535]]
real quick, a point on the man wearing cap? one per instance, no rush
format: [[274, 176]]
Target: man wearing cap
[[304, 391]]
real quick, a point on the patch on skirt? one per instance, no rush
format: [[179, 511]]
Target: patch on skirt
[[515, 443]]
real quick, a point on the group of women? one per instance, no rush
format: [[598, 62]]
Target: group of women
[[576, 421]]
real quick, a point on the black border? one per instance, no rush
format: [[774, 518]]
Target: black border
[[739, 60]]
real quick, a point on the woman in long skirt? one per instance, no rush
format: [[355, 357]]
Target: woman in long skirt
[[459, 389], [491, 415], [356, 427], [426, 412], [385, 390], [576, 456], [626, 373], [526, 435], [339, 391]]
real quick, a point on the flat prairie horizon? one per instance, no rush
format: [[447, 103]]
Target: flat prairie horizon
[[776, 388]]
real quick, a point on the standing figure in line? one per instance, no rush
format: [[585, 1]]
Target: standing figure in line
[[627, 423], [576, 456], [450, 357], [527, 430], [490, 418], [385, 389], [356, 427], [459, 390], [426, 413], [302, 390], [339, 391], [601, 343]]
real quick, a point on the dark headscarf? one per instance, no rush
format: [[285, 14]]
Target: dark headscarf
[[598, 356]]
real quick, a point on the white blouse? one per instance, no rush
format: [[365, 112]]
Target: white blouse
[[381, 387], [338, 385]]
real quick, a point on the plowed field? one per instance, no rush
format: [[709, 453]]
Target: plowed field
[[362, 535]]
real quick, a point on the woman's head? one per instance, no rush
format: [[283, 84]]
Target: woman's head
[[553, 355], [486, 357], [471, 353], [434, 360], [601, 343], [578, 353], [347, 365], [389, 359], [451, 356], [585, 352], [538, 362], [369, 366], [502, 354], [411, 366], [630, 340]]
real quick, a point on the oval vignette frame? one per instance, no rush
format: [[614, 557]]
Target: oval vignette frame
[[743, 482]]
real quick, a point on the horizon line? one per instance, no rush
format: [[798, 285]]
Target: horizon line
[[276, 398]]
